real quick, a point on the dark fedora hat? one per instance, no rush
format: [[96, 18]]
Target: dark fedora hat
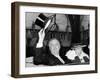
[[42, 20]]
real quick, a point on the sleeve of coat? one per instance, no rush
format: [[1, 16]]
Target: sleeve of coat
[[39, 57]]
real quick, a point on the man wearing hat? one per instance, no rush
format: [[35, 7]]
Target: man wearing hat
[[54, 53], [51, 54], [77, 55]]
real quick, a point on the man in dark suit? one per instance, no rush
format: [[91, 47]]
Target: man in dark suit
[[50, 54], [53, 54]]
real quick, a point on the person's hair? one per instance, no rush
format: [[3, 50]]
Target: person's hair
[[52, 40]]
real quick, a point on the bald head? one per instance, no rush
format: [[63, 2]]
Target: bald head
[[54, 46]]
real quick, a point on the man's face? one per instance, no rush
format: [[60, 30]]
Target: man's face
[[54, 46]]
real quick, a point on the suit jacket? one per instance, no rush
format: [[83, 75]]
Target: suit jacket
[[44, 56]]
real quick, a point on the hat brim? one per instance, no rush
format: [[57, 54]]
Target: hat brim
[[78, 45]]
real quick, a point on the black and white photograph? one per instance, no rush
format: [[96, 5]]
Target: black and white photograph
[[57, 39], [51, 39]]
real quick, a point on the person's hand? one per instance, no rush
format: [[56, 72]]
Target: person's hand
[[41, 35]]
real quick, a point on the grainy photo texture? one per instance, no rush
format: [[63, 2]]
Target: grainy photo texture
[[57, 39]]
